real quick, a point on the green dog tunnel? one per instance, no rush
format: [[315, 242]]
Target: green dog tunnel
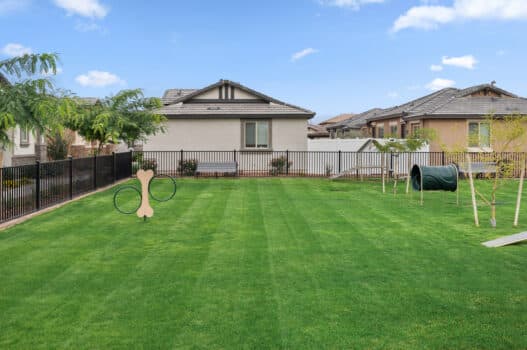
[[434, 178]]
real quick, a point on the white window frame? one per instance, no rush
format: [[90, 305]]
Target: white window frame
[[256, 122], [23, 141], [479, 147]]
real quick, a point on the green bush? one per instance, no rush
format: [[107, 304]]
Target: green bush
[[187, 167], [280, 166], [145, 164]]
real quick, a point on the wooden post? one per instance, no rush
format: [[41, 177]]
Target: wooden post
[[472, 191], [383, 160], [519, 198], [421, 185], [409, 172]]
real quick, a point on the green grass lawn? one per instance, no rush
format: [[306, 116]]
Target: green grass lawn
[[266, 263]]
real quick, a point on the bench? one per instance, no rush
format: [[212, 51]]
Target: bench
[[223, 168], [479, 169]]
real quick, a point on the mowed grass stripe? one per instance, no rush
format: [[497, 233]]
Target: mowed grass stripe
[[88, 279], [232, 304], [158, 288]]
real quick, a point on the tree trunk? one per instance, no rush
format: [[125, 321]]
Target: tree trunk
[[1, 181], [519, 198], [493, 200], [409, 172], [472, 191], [383, 161]]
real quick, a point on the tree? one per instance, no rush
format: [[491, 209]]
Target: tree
[[507, 134], [415, 141], [28, 101], [389, 146], [127, 116]]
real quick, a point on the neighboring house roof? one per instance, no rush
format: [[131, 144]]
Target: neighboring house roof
[[172, 95], [337, 119], [316, 131], [358, 121], [184, 103], [477, 100]]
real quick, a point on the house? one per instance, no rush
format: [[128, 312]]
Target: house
[[339, 118], [26, 147], [315, 131], [229, 116], [457, 116], [354, 127]]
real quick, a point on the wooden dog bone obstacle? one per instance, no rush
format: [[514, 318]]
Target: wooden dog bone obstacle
[[144, 177]]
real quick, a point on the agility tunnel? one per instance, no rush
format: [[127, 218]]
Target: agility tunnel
[[434, 178]]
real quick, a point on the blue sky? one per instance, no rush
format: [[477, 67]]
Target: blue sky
[[332, 56]]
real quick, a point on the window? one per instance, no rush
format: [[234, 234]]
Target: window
[[414, 129], [256, 134], [393, 130], [380, 131], [24, 136], [478, 134]]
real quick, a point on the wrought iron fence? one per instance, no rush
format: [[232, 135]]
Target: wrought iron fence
[[29, 188], [310, 163]]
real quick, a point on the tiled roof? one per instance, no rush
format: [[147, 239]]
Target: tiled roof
[[452, 102], [358, 120], [180, 103], [229, 109], [337, 119], [172, 95], [87, 101]]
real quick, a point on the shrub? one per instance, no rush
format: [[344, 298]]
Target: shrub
[[280, 165], [145, 164], [137, 157], [187, 167], [58, 146]]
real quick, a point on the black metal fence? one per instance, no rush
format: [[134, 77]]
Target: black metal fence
[[310, 163], [29, 188]]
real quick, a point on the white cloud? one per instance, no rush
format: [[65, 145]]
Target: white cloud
[[438, 84], [85, 27], [8, 6], [467, 61], [84, 8], [430, 17], [354, 4], [96, 78], [301, 54], [15, 50], [436, 68], [501, 53], [393, 94]]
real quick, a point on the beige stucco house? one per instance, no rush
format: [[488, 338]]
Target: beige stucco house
[[457, 116], [229, 116]]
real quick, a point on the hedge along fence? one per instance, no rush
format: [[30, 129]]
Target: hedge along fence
[[29, 188], [309, 163]]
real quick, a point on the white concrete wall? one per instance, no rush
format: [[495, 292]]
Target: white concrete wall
[[224, 135], [15, 149]]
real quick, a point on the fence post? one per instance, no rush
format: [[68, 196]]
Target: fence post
[[287, 162], [70, 158], [340, 156], [181, 163], [391, 165], [443, 158], [95, 171], [234, 154], [37, 184], [131, 168], [114, 167]]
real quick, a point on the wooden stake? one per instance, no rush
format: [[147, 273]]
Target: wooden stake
[[457, 186], [472, 191], [421, 177], [519, 198], [409, 172], [383, 161]]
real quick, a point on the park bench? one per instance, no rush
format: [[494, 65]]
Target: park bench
[[479, 169], [211, 168]]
